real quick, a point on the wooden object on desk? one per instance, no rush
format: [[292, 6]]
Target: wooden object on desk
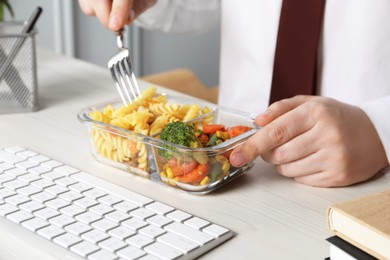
[[364, 222], [185, 81]]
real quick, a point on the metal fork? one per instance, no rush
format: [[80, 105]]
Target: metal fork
[[122, 72]]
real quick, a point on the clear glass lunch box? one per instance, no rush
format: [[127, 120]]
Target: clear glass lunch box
[[142, 155]]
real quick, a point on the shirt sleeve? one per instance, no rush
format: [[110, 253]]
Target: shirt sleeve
[[181, 16], [378, 111]]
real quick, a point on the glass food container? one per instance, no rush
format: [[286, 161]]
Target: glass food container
[[195, 170]]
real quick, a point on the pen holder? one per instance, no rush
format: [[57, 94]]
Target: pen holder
[[18, 82]]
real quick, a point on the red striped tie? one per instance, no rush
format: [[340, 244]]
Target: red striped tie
[[296, 48]]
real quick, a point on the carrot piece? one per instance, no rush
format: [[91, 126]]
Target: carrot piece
[[213, 128], [196, 175], [179, 169], [238, 130]]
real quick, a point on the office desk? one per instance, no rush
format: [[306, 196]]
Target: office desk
[[272, 217]]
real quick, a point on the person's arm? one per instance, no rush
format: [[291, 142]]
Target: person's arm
[[181, 16]]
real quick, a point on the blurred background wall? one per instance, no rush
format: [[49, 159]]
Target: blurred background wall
[[66, 30]]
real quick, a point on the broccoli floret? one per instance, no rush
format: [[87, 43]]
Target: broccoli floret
[[177, 133]]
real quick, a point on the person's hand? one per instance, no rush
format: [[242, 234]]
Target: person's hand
[[114, 14], [317, 141]]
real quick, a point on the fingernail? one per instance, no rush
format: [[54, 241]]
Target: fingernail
[[132, 15], [238, 159], [114, 22]]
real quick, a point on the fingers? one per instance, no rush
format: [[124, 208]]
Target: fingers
[[279, 108], [308, 165], [295, 149], [86, 7], [120, 11], [102, 11], [279, 131]]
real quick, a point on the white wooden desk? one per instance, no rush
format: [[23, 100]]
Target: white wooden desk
[[273, 217]]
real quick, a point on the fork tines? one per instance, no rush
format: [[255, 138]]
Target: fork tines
[[123, 75]]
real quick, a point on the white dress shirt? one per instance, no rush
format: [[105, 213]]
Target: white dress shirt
[[354, 51]]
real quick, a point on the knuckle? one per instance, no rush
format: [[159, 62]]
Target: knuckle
[[283, 169], [279, 155], [277, 133]]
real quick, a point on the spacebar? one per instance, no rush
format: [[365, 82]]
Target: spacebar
[[112, 188]]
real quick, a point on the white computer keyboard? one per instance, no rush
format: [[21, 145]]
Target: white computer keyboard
[[94, 218]]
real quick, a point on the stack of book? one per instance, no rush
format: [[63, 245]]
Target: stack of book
[[361, 228]]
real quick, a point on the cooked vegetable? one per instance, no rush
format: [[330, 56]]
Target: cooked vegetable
[[196, 175], [213, 128], [178, 133], [238, 130], [214, 140]]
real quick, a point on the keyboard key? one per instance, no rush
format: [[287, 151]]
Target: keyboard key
[[16, 172], [39, 170], [215, 230], [139, 240], [95, 193], [50, 232], [5, 178], [35, 223], [160, 208], [15, 184], [39, 159], [6, 209], [19, 216], [152, 231], [46, 213], [117, 216], [66, 240], [78, 228], [5, 166], [86, 202], [102, 255], [84, 248], [80, 187], [71, 196], [121, 232], [88, 217], [179, 215], [130, 252], [42, 183], [26, 164], [95, 236], [56, 190], [101, 209], [134, 223], [17, 199], [72, 210], [57, 203], [29, 190], [43, 196], [10, 157], [62, 221], [197, 223], [32, 206], [104, 225], [52, 175], [110, 200], [5, 193], [163, 251], [112, 244], [15, 149], [52, 164], [142, 213], [125, 206], [189, 233], [180, 243], [65, 181], [159, 220], [29, 177]]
